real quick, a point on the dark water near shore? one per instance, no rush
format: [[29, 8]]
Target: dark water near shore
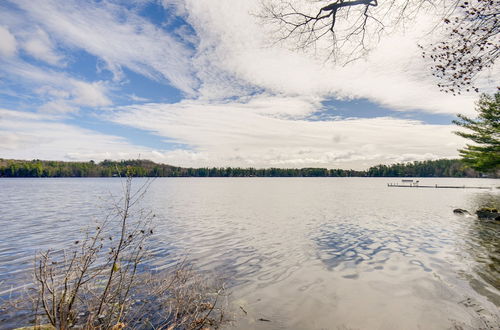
[[304, 253]]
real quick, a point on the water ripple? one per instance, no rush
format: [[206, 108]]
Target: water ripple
[[303, 252]]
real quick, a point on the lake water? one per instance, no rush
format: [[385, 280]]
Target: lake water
[[303, 253]]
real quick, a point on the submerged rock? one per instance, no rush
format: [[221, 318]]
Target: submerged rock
[[488, 213], [460, 211]]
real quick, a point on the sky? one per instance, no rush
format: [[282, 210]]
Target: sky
[[201, 83]]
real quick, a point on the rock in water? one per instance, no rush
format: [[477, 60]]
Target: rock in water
[[488, 213], [460, 211]]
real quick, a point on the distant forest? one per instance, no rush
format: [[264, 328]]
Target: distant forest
[[147, 168]]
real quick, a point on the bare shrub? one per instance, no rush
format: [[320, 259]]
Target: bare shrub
[[97, 283], [179, 299]]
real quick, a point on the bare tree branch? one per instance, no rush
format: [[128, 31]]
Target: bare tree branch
[[348, 30]]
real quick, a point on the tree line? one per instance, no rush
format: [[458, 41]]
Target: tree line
[[147, 168]]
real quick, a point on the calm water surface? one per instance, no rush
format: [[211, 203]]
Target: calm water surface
[[304, 253]]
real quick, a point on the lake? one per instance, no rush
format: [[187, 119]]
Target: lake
[[303, 253]]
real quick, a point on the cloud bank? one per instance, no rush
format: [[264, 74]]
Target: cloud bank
[[245, 101]]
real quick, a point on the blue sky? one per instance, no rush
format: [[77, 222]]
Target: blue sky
[[200, 83]]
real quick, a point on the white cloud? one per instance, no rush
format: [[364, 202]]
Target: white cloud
[[28, 136], [136, 98], [59, 107], [39, 45], [8, 45], [89, 94], [18, 33], [248, 100], [243, 134], [116, 35], [234, 58], [62, 92]]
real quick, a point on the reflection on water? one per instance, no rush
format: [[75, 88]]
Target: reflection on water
[[483, 244], [364, 249], [304, 253]]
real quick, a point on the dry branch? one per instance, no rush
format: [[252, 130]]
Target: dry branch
[[95, 284]]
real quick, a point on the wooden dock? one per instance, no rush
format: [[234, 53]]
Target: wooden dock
[[434, 186]]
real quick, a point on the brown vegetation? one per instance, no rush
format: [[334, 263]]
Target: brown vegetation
[[97, 283]]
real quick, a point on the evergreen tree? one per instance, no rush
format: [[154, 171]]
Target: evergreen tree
[[484, 131]]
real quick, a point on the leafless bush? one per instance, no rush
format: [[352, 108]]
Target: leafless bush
[[180, 299], [96, 284]]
